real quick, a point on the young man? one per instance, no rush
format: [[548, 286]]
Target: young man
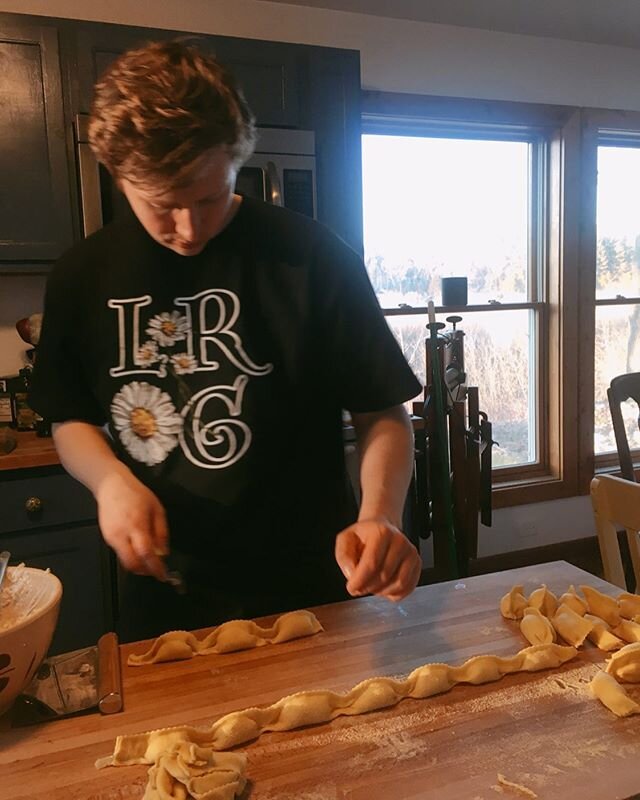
[[218, 339]]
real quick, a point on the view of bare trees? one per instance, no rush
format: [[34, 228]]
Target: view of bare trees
[[473, 220], [498, 350], [617, 342], [497, 361], [497, 356]]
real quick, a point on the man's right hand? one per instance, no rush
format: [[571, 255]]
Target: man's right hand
[[131, 517], [133, 522]]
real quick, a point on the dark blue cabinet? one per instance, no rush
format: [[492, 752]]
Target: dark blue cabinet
[[270, 73], [49, 522], [49, 67], [35, 199]]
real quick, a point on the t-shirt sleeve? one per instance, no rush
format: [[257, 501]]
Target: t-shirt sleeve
[[362, 358], [59, 388]]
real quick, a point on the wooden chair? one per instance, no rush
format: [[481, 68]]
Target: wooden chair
[[621, 389], [616, 501]]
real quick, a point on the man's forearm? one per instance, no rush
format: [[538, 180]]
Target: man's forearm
[[85, 453], [131, 519], [385, 444]]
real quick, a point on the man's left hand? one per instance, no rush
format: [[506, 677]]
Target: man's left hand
[[377, 558]]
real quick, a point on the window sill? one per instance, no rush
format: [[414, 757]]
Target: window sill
[[614, 469], [531, 490], [545, 487]]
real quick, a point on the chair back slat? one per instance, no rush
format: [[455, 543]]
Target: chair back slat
[[623, 388], [616, 503]]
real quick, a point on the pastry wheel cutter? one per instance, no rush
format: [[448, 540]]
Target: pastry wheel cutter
[[78, 682]]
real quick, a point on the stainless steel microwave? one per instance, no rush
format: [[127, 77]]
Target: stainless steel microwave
[[281, 171]]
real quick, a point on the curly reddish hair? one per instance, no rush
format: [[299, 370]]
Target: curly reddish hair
[[160, 107]]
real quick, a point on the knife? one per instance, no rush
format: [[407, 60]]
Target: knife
[[5, 555], [175, 579]]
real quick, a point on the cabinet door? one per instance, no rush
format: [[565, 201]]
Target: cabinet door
[[35, 204], [332, 108], [93, 46], [271, 75], [79, 557], [45, 501], [267, 71]]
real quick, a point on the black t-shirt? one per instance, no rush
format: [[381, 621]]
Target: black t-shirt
[[222, 376]]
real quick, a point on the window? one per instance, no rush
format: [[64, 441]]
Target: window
[[492, 191], [538, 207], [442, 199], [617, 295], [608, 280]]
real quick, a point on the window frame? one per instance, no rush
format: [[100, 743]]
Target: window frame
[[555, 246], [606, 127]]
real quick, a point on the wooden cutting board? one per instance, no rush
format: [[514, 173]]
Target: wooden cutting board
[[541, 731]]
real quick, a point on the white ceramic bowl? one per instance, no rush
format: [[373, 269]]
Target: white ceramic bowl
[[24, 644]]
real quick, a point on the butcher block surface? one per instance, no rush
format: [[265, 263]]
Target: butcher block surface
[[542, 732]]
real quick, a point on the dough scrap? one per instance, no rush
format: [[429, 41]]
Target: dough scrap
[[513, 604], [602, 636], [603, 606], [238, 634], [609, 692], [544, 600], [195, 772], [313, 707], [536, 628], [517, 787], [625, 664], [571, 626]]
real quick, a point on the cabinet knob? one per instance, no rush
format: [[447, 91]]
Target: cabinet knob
[[33, 505]]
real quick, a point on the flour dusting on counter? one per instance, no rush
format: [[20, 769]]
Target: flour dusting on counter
[[19, 598]]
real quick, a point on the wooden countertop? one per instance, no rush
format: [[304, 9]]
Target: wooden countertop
[[543, 730], [31, 451]]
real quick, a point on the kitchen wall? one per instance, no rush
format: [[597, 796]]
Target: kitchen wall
[[534, 525], [20, 296], [398, 56]]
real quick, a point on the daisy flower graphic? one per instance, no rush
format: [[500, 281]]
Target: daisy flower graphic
[[147, 422], [183, 363], [147, 354], [168, 328]]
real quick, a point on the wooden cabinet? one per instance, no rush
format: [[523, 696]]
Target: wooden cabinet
[[48, 500], [91, 47], [333, 111], [48, 521], [286, 85], [270, 73], [35, 201], [50, 67]]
